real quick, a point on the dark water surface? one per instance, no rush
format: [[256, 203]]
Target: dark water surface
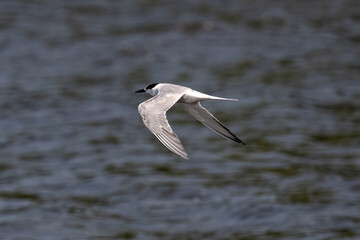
[[76, 161]]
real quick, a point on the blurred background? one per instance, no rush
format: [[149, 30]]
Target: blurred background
[[76, 161]]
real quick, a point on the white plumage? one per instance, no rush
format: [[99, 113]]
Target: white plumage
[[153, 113]]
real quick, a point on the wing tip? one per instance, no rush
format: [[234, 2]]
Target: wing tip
[[238, 140], [175, 149], [186, 157], [183, 154]]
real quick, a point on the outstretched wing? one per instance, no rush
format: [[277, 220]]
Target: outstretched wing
[[153, 113], [206, 118]]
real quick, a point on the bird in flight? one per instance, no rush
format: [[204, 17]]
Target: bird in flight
[[165, 95]]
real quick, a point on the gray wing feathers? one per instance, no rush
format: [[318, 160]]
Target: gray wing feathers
[[153, 113], [172, 142], [206, 118]]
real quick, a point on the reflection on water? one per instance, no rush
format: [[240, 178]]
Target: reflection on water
[[76, 161]]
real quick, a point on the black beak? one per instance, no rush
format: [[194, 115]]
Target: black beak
[[140, 91]]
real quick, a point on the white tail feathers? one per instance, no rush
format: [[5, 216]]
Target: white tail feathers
[[225, 99]]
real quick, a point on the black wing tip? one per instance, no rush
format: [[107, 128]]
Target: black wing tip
[[234, 137], [239, 141]]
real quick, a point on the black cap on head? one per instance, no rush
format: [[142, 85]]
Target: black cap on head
[[150, 86]]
